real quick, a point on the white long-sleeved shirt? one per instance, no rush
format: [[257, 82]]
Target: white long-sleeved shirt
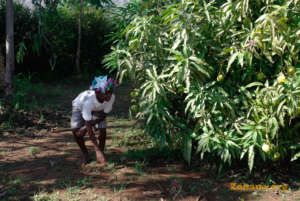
[[87, 102]]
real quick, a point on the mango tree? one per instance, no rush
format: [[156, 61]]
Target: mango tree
[[222, 74]]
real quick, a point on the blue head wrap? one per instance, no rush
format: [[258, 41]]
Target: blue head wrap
[[102, 84]]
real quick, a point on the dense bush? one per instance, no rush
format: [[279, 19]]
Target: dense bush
[[25, 92], [25, 100], [46, 39], [219, 73]]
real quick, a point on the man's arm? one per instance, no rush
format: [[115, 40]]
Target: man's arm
[[108, 106], [100, 117]]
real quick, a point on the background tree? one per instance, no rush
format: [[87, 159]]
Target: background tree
[[79, 38], [2, 69], [10, 56]]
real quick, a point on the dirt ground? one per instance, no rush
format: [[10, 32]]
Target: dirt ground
[[37, 164]]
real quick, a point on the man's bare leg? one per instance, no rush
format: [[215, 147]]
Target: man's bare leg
[[79, 138], [99, 154], [102, 138]]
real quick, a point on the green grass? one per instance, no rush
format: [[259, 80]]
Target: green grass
[[7, 124], [118, 188], [84, 182], [64, 182], [96, 171], [44, 196], [13, 186], [224, 193], [147, 154], [102, 198], [73, 193], [131, 137], [115, 142], [5, 151], [140, 166], [34, 151], [67, 182], [122, 122], [171, 168]]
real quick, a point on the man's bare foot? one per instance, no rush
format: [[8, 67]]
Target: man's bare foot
[[100, 157], [83, 166], [101, 160], [83, 162], [85, 159]]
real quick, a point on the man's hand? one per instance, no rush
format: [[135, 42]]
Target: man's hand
[[98, 120], [90, 123], [100, 117]]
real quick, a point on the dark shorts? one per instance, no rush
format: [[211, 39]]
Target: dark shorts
[[77, 120]]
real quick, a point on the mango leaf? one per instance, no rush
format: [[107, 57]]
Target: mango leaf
[[177, 42], [231, 60], [273, 124], [162, 141], [241, 59], [279, 109], [296, 156], [227, 50], [251, 155], [253, 84], [187, 147]]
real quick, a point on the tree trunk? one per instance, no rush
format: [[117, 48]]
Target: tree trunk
[[10, 56], [79, 40], [2, 69]]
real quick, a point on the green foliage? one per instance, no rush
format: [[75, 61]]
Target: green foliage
[[12, 187], [25, 92], [175, 51], [46, 37], [33, 151], [25, 98], [24, 29], [90, 3]]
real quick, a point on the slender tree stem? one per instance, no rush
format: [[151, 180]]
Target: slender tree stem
[[10, 56], [79, 39], [2, 69]]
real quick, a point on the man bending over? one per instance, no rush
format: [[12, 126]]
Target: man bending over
[[89, 110]]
